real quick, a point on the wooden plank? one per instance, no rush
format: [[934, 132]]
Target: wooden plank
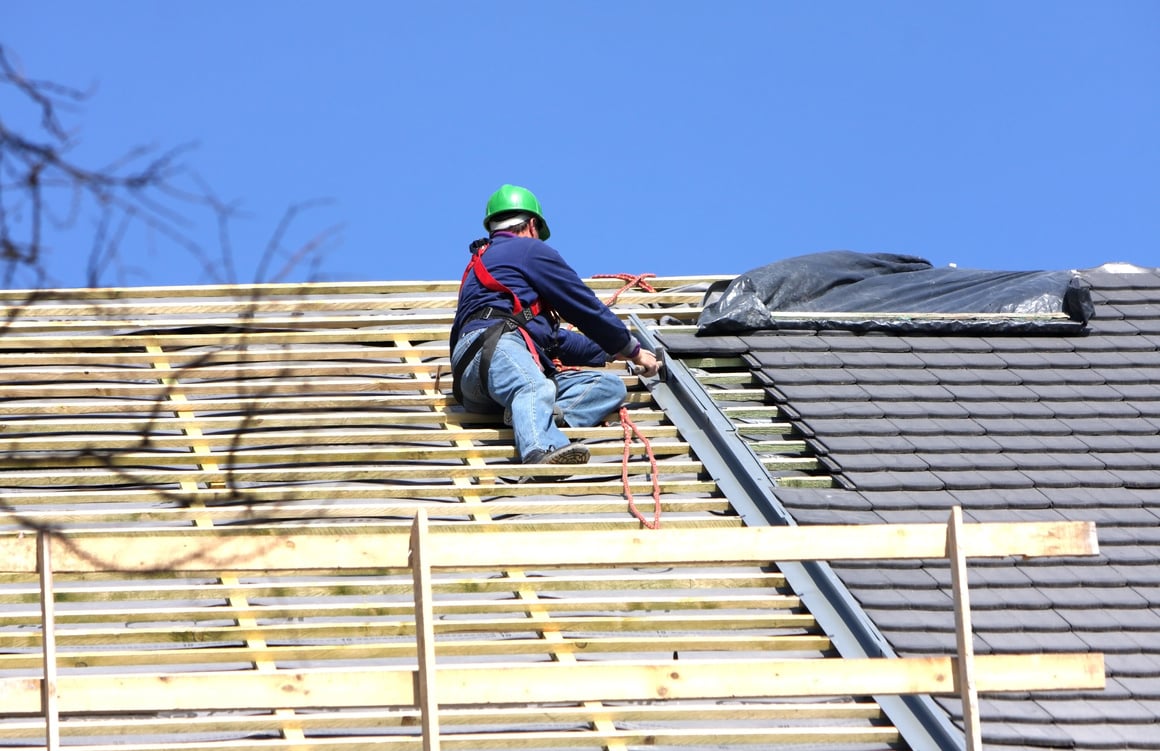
[[703, 714], [241, 549], [427, 688], [103, 655], [141, 613], [964, 634], [247, 403], [549, 682], [305, 455], [308, 290], [382, 473], [50, 704], [321, 436], [159, 319]]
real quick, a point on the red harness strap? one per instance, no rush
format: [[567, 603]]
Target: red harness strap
[[476, 266]]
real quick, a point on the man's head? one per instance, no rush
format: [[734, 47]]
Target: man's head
[[511, 208]]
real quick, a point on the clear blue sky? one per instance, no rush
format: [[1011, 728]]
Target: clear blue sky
[[666, 137]]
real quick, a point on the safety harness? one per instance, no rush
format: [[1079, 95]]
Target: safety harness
[[516, 320]]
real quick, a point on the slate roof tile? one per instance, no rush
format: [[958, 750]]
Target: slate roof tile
[[1120, 443], [967, 376], [1033, 642], [835, 392], [1095, 712], [878, 577], [908, 462], [890, 361], [1018, 621], [853, 409], [1136, 575], [1135, 391], [1145, 688], [1124, 598], [805, 376], [990, 410], [873, 342], [974, 480], [1100, 426], [1149, 479], [944, 360], [921, 427], [875, 481], [1006, 599], [806, 515], [1039, 509], [885, 444], [1031, 344], [934, 410], [1037, 360], [787, 358], [1103, 734], [955, 442], [1058, 392], [1127, 555], [1125, 533], [1110, 619], [798, 340], [855, 426], [1049, 376], [1026, 736], [1001, 708], [910, 392], [1006, 426], [1138, 461], [1134, 664], [950, 344], [922, 643], [965, 461], [1115, 327], [1052, 574], [714, 345]]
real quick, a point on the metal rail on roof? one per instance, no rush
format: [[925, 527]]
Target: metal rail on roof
[[742, 478]]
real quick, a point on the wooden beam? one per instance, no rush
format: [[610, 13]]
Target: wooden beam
[[50, 705], [964, 634], [554, 682], [362, 548], [427, 688]]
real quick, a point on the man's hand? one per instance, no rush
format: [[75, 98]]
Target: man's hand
[[645, 364]]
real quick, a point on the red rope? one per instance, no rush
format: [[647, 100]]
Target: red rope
[[631, 429], [630, 280]]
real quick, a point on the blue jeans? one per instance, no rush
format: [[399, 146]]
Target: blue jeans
[[518, 387]]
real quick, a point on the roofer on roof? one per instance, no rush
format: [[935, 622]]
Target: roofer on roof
[[506, 337]]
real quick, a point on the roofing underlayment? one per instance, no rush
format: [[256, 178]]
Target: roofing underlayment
[[247, 489]]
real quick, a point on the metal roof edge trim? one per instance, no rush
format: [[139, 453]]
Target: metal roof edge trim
[[744, 481]]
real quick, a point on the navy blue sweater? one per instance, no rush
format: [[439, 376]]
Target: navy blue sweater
[[533, 270]]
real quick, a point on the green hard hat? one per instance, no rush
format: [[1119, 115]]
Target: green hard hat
[[514, 198]]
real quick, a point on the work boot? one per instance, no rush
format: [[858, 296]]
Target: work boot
[[573, 453]]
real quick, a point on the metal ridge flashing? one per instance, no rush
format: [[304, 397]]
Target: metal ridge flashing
[[749, 489]]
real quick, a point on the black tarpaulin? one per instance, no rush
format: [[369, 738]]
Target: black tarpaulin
[[844, 290]]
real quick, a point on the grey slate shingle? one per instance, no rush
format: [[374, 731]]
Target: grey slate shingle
[[1042, 427]]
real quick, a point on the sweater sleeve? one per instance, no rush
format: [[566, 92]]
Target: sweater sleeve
[[560, 285]]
